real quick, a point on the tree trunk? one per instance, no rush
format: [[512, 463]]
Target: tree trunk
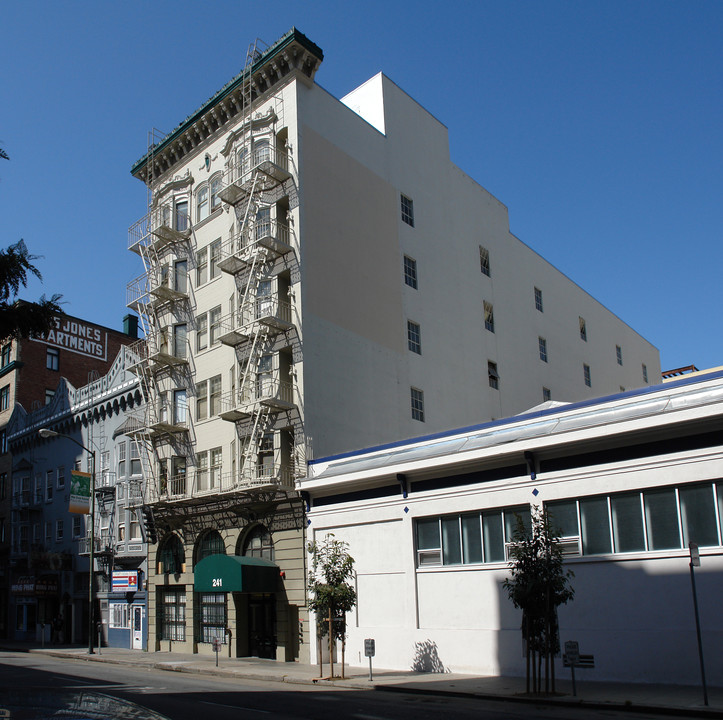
[[331, 645], [343, 652], [318, 645], [527, 650], [547, 644]]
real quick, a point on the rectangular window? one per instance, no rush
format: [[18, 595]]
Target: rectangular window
[[595, 526], [121, 450], [650, 520], [212, 617], [216, 186], [586, 375], [201, 267], [489, 317], [179, 340], [542, 345], [181, 216], [5, 356], [118, 615], [697, 515], [58, 530], [215, 256], [214, 320], [410, 272], [417, 404], [645, 373], [76, 526], [214, 393], [61, 478], [172, 611], [52, 358], [135, 459], [216, 456], [484, 261], [414, 337], [180, 406], [202, 332], [493, 376], [619, 354], [3, 486], [180, 276], [5, 398], [661, 519], [469, 538], [202, 470], [48, 486], [546, 394], [538, 299], [407, 211], [3, 442], [202, 400], [48, 532], [49, 395], [202, 204], [583, 329], [627, 519]]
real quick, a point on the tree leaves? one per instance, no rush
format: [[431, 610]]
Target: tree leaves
[[19, 318]]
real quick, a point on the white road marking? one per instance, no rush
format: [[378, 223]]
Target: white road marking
[[236, 707]]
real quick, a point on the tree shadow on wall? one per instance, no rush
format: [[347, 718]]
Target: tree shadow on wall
[[426, 658]]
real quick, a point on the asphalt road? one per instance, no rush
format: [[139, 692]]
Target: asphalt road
[[33, 687]]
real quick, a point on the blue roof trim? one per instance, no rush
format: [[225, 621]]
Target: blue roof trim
[[525, 416]]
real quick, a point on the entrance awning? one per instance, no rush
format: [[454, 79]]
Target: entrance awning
[[235, 573]]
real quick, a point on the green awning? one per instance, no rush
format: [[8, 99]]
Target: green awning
[[235, 573]]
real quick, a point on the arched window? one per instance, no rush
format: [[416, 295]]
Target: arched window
[[216, 185], [171, 556], [242, 163], [210, 544], [202, 204], [258, 544], [262, 151]]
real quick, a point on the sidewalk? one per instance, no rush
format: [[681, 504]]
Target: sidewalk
[[685, 701]]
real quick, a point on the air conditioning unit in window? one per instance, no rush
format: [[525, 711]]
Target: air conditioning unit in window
[[429, 557], [570, 546]]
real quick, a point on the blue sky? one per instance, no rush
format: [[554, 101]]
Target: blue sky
[[598, 124]]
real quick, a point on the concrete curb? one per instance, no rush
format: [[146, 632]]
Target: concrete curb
[[410, 688]]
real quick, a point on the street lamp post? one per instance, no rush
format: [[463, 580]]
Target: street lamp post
[[47, 433]]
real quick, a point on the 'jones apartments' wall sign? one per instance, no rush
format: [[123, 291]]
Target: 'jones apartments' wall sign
[[78, 337]]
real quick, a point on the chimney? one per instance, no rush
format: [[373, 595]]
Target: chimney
[[130, 326]]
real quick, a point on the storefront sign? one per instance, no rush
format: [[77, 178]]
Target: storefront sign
[[28, 585], [125, 581], [79, 492], [78, 337]]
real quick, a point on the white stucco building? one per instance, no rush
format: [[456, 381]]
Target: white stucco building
[[630, 480], [318, 276]]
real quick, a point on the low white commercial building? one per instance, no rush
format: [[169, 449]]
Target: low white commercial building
[[630, 480]]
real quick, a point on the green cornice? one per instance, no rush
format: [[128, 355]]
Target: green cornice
[[291, 37]]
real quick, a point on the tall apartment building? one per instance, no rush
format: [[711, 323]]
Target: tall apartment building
[[319, 277], [30, 370]]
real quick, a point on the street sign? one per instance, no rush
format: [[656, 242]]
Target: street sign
[[572, 650], [369, 647], [694, 554]]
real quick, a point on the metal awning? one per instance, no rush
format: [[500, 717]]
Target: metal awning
[[235, 573]]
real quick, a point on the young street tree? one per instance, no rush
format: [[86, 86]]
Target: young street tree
[[17, 317], [538, 585], [331, 594]]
